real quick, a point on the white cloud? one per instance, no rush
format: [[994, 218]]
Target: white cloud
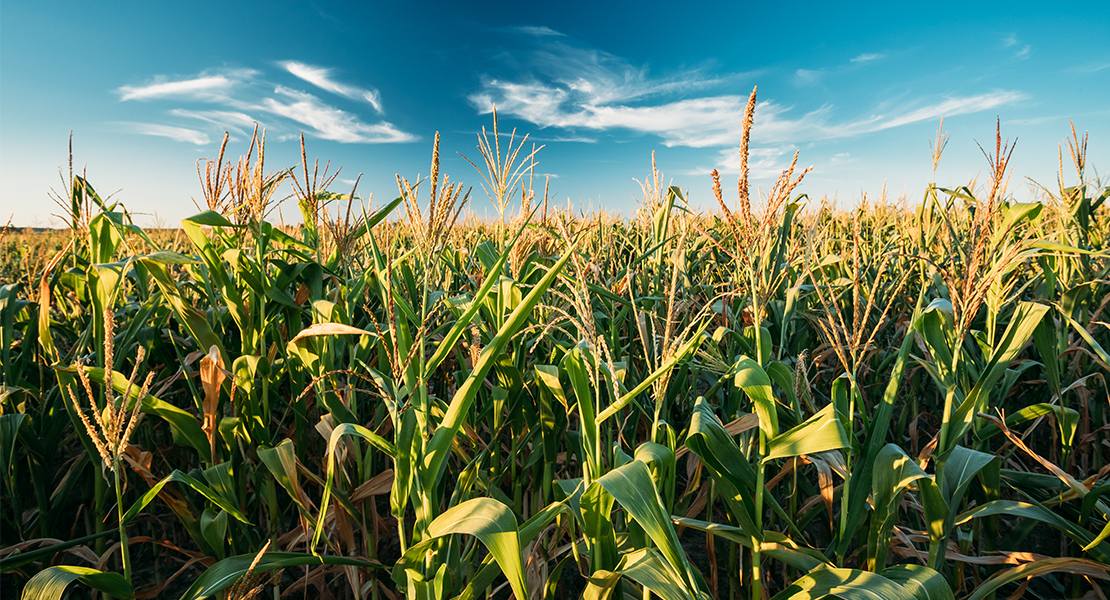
[[867, 57], [321, 78], [806, 76], [1012, 40], [235, 121], [198, 87], [540, 31], [180, 134], [237, 97], [331, 123], [574, 88]]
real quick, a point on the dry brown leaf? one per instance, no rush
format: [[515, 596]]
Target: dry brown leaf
[[382, 483], [328, 329]]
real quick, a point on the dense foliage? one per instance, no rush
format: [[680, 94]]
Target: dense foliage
[[778, 399]]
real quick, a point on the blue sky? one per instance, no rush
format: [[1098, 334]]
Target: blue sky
[[149, 88]]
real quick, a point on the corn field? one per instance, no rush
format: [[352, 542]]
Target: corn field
[[778, 398]]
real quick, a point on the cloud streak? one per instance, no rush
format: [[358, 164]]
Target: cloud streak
[[331, 123], [574, 88], [199, 87], [321, 78], [867, 58], [235, 100], [180, 134]]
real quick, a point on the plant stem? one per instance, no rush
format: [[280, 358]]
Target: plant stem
[[757, 582], [125, 552]]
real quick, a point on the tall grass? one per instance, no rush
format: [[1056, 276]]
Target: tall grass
[[776, 399]]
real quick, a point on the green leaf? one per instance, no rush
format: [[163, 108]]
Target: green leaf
[[225, 573], [1025, 320], [1082, 331], [1078, 566], [179, 477], [337, 435], [51, 583], [438, 448], [863, 470], [1036, 512], [774, 545], [678, 356], [846, 584], [726, 463], [644, 566], [819, 433], [9, 428], [894, 471], [633, 487], [937, 328], [755, 382], [493, 275], [921, 582], [494, 524]]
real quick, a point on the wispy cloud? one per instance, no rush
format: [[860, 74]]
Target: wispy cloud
[[236, 100], [180, 134], [199, 87], [234, 121], [574, 88], [807, 76], [321, 78], [1092, 67], [1022, 52], [867, 58], [331, 123], [540, 31]]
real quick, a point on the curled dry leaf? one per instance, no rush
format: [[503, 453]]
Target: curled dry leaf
[[328, 329]]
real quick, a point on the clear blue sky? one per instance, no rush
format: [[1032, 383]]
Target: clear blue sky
[[148, 88]]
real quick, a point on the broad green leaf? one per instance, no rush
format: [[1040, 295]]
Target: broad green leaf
[[336, 436], [225, 573], [819, 433], [647, 568], [1082, 331], [755, 382], [494, 524], [727, 464], [1025, 319], [937, 328], [1079, 566], [1036, 512], [179, 477], [193, 321], [894, 471], [528, 532], [633, 487], [774, 545], [439, 446], [51, 583], [846, 584], [862, 471], [921, 582], [493, 275], [678, 356]]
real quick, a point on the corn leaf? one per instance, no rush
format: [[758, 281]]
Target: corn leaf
[[51, 583]]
